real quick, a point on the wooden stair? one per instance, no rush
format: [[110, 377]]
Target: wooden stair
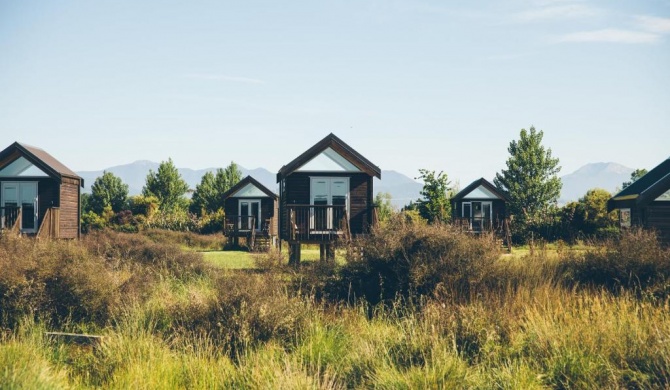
[[262, 244]]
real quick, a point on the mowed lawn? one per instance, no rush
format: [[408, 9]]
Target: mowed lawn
[[245, 260]]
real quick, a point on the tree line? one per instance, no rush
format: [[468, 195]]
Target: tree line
[[163, 202], [530, 180]]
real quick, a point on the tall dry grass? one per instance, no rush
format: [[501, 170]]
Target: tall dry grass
[[503, 322]]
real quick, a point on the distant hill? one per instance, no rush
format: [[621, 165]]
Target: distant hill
[[608, 176], [402, 188]]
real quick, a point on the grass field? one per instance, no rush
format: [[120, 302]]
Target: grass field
[[243, 260], [424, 307]]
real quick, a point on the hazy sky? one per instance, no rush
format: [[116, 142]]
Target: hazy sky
[[443, 85]]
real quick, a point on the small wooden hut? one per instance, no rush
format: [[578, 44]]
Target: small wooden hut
[[39, 195], [326, 195], [251, 212], [646, 202]]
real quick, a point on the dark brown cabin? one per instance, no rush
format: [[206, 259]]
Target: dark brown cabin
[[646, 202], [251, 211], [480, 207], [326, 194], [39, 195]]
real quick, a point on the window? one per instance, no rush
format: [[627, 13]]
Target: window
[[250, 214], [325, 192]]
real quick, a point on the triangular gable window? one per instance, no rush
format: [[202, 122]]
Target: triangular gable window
[[328, 161], [665, 196], [481, 192], [249, 191], [21, 167]]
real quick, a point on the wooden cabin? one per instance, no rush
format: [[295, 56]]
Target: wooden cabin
[[326, 195], [39, 196], [646, 202], [251, 212], [480, 207]]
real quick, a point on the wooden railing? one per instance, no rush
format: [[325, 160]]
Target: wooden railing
[[239, 223], [317, 223], [10, 217], [499, 227], [478, 224], [242, 224], [50, 227]]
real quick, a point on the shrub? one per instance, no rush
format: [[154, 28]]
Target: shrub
[[635, 260], [132, 249], [213, 222], [187, 239], [56, 280], [405, 258], [178, 220]]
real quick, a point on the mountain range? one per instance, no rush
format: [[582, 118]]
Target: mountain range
[[402, 188]]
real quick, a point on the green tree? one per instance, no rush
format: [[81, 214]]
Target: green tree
[[383, 205], [530, 179], [85, 201], [168, 186], [204, 196], [434, 204], [589, 216], [108, 190], [208, 195], [226, 178], [634, 176]]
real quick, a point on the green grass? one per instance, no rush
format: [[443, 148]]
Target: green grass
[[230, 259], [245, 260]]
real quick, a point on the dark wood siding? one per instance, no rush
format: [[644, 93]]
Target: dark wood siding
[[297, 191], [69, 208], [269, 209], [47, 194], [498, 207], [65, 196], [658, 218]]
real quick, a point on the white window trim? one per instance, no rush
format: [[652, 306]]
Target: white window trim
[[35, 201], [480, 201], [260, 211], [330, 195]]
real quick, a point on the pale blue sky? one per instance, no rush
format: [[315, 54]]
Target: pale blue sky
[[410, 84]]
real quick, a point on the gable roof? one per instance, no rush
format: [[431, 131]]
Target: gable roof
[[339, 146], [39, 158], [244, 182], [475, 184], [645, 189]]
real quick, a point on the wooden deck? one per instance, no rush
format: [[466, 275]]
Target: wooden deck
[[317, 224]]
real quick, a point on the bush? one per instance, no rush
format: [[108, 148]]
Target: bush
[[404, 258], [213, 222], [55, 280], [635, 260], [178, 220], [155, 258], [187, 239]]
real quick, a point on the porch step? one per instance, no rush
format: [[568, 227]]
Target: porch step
[[262, 244]]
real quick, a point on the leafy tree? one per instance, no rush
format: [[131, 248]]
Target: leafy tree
[[85, 201], [634, 176], [530, 179], [168, 186], [434, 204], [108, 190], [383, 205], [208, 195], [227, 178], [204, 196], [589, 216]]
